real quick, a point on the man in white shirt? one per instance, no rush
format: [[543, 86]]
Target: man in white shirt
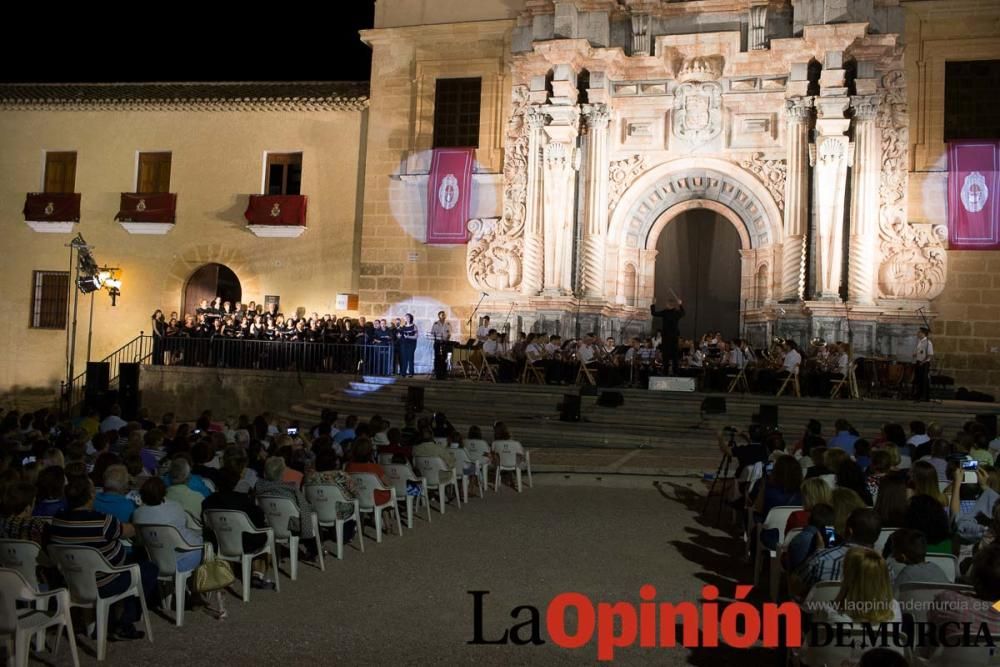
[[483, 332], [114, 421], [793, 359], [736, 358], [922, 356], [441, 333], [493, 352]]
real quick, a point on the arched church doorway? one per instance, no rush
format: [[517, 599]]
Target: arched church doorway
[[698, 257], [208, 282]]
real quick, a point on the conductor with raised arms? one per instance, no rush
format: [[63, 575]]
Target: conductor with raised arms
[[671, 316]]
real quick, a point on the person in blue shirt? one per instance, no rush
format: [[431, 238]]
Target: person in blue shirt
[[845, 437], [112, 499], [348, 431]]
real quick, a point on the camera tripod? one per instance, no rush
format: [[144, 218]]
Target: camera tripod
[[722, 472]]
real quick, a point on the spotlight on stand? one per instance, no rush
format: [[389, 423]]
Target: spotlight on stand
[[88, 284]]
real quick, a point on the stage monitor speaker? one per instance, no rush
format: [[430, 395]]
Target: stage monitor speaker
[[96, 382], [990, 422], [569, 409], [713, 405], [611, 399], [415, 399], [128, 390], [767, 415]]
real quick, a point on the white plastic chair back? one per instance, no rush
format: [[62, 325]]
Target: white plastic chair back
[[162, 544], [366, 484], [777, 518], [398, 474], [209, 484], [507, 451], [754, 473], [79, 566], [477, 448], [279, 512], [441, 441], [324, 499], [384, 459], [917, 597], [831, 480], [228, 527], [947, 563], [430, 468], [462, 459], [21, 555], [13, 587], [823, 591]]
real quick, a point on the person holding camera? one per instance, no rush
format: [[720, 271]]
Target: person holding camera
[[747, 449]]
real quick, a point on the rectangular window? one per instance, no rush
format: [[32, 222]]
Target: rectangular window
[[154, 173], [49, 299], [971, 99], [284, 174], [456, 112], [60, 171]]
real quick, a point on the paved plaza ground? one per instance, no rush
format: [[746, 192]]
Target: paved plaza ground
[[406, 602]]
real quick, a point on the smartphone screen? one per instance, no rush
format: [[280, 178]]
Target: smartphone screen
[[831, 536]]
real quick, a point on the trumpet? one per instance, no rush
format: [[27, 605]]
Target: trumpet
[[817, 342]]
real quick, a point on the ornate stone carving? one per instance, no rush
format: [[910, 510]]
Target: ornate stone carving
[[697, 115], [770, 172], [494, 254], [499, 267], [621, 175], [914, 262], [701, 68]]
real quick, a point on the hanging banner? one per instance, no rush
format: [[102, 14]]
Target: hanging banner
[[449, 190], [974, 195]]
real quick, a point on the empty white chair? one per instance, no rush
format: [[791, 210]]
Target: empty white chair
[[398, 475], [163, 543], [20, 624], [279, 512], [511, 457], [776, 520], [228, 527], [80, 567], [948, 564], [367, 484], [438, 476], [324, 499], [462, 460]]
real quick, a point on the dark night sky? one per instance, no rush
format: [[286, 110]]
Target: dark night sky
[[259, 44]]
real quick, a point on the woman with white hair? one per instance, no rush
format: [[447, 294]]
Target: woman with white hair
[[272, 485]]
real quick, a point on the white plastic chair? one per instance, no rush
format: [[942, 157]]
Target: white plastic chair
[[775, 519], [479, 450], [228, 527], [163, 544], [883, 539], [324, 499], [917, 597], [23, 555], [507, 452], [438, 476], [831, 480], [279, 511], [948, 564], [462, 459], [80, 567], [783, 547], [398, 475], [367, 484], [21, 624]]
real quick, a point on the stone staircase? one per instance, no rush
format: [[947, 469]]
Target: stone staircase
[[653, 433]]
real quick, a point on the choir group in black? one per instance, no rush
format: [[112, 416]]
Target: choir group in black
[[249, 335]]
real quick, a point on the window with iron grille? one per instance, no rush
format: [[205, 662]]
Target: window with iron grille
[[49, 299], [456, 112]]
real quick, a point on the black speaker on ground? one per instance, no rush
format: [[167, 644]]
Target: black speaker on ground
[[96, 383], [990, 422], [128, 390], [415, 398], [767, 415], [713, 405], [588, 390], [569, 409], [611, 399]]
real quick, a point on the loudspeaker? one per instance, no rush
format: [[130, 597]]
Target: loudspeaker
[[128, 390], [768, 415], [588, 390], [96, 383], [713, 405], [610, 399], [990, 422], [569, 409], [415, 398]]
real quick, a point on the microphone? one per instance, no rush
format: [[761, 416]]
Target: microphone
[[484, 293]]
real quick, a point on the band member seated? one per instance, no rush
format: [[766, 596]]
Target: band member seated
[[586, 355], [671, 316], [483, 332], [555, 367], [923, 354], [495, 356]]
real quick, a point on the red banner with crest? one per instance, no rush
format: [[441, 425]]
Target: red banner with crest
[[449, 192], [974, 195]]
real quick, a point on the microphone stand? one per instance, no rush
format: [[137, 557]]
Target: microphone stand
[[474, 311], [506, 321]]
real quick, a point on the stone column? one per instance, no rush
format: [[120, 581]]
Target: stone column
[[831, 155], [862, 262], [531, 280], [597, 117], [799, 111], [559, 194]]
